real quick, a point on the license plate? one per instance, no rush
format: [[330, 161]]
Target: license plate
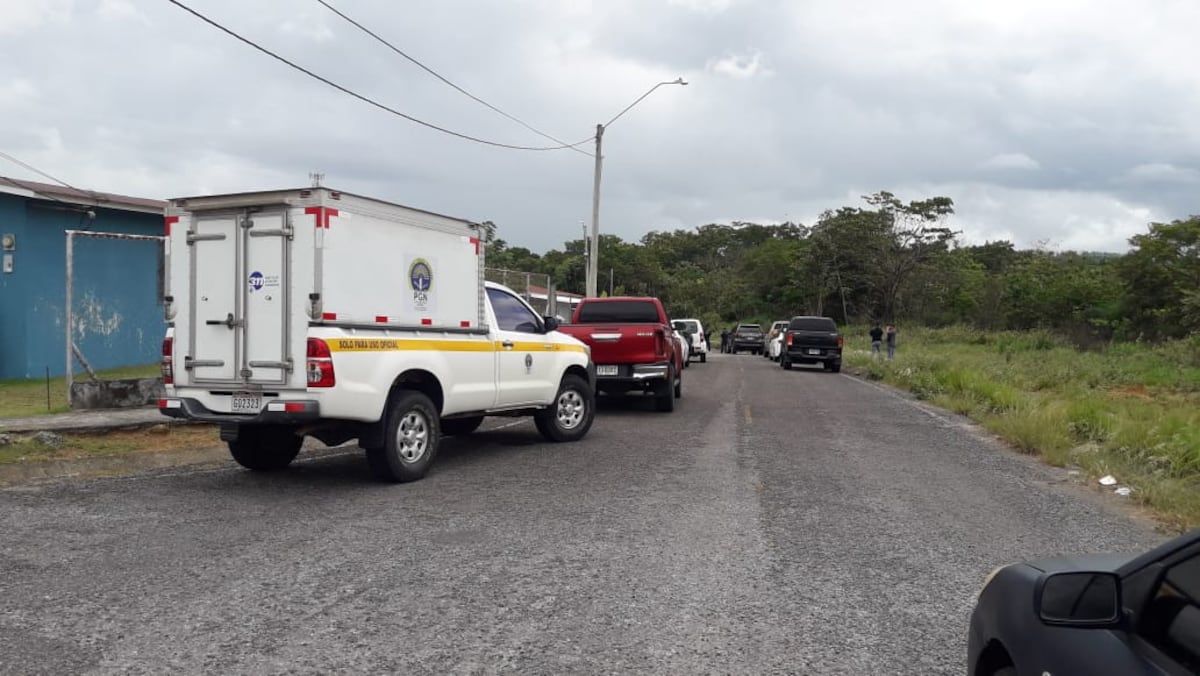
[[606, 370], [813, 351], [246, 402]]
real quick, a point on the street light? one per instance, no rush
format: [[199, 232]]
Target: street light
[[594, 249]]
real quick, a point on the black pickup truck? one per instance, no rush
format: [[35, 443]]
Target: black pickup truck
[[812, 340]]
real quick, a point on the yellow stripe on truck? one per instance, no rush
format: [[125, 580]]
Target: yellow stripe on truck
[[422, 344]]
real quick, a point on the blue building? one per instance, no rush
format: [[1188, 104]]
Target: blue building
[[116, 282]]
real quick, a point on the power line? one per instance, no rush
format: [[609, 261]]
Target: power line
[[457, 88], [35, 170], [358, 96]]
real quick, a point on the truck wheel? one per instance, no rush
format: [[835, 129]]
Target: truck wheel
[[679, 387], [571, 414], [265, 448], [785, 363], [703, 357], [459, 426], [664, 398], [835, 367], [410, 440]]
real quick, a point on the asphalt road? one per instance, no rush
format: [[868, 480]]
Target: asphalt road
[[776, 522]]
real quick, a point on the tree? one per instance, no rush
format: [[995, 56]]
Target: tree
[[1162, 273]]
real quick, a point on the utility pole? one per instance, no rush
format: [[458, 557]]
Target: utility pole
[[593, 259]]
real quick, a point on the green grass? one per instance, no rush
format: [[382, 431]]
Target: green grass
[[22, 398], [1131, 410], [120, 442]]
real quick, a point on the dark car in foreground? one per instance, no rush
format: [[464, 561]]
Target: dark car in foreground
[[1091, 615], [812, 340]]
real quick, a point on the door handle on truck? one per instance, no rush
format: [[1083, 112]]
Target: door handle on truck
[[228, 321], [507, 344]]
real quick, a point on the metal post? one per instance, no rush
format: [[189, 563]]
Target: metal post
[[594, 253], [70, 314]]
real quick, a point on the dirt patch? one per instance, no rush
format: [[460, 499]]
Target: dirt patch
[[1134, 391]]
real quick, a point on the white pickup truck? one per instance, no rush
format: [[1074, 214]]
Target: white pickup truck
[[312, 312]]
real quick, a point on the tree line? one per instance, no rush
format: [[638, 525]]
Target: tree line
[[893, 261]]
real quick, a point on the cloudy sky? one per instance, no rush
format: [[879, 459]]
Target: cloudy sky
[[1065, 123]]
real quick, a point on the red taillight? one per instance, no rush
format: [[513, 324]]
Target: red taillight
[[168, 361], [841, 341], [789, 340], [320, 364]]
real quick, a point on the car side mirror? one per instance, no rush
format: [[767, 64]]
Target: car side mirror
[[549, 324], [1080, 599]]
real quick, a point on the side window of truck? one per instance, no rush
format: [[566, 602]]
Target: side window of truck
[[511, 313]]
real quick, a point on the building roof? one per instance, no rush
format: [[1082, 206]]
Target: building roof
[[541, 291], [87, 198]]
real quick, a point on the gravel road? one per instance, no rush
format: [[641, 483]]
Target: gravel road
[[776, 522]]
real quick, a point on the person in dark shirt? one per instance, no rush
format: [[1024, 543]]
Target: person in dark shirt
[[876, 340], [724, 340]]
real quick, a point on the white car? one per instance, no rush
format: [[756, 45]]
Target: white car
[[699, 345]]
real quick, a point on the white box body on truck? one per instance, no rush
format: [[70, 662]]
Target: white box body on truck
[[312, 312]]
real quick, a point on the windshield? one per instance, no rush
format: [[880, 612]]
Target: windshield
[[812, 324], [619, 312]]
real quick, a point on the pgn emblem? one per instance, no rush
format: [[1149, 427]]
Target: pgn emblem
[[420, 279]]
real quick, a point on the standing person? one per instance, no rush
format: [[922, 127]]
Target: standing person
[[891, 341], [876, 340], [724, 340]]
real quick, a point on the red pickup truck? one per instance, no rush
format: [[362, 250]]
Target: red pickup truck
[[633, 347]]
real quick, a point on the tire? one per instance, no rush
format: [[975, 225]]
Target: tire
[[664, 397], [1005, 671], [410, 443], [679, 388], [703, 357], [835, 368], [460, 426], [785, 363], [265, 448], [571, 415]]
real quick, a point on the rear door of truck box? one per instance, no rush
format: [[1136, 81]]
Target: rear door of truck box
[[240, 318]]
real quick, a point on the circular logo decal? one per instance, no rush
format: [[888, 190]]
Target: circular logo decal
[[420, 275], [257, 280]]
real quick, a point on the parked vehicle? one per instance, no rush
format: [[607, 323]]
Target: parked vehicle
[[699, 342], [1101, 614], [812, 340], [633, 346], [748, 337], [684, 343], [773, 341], [316, 312]]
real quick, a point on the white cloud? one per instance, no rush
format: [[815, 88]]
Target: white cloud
[[742, 66], [703, 6], [16, 92], [308, 27], [1011, 161], [1008, 108], [121, 9], [1162, 172], [24, 15]]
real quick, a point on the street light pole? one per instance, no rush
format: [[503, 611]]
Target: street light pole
[[594, 253]]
